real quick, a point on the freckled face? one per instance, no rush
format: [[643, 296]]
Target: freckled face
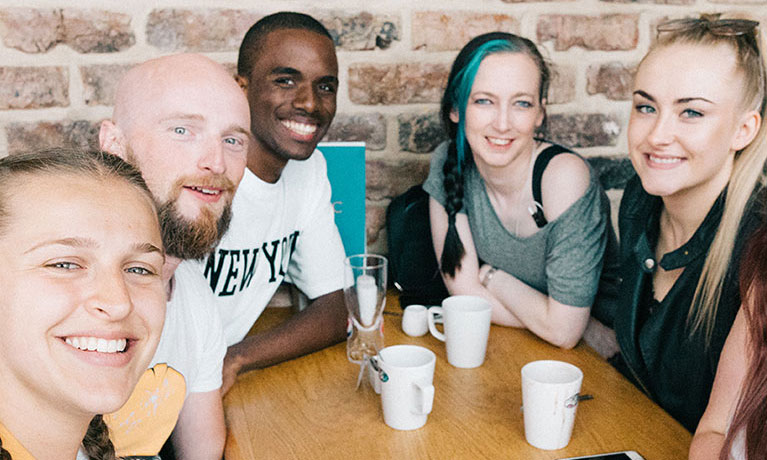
[[686, 116], [83, 301], [503, 110], [292, 92]]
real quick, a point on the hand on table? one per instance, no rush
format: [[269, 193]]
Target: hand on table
[[231, 369]]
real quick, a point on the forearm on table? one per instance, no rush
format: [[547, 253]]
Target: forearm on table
[[321, 324], [559, 324], [706, 445], [469, 284]]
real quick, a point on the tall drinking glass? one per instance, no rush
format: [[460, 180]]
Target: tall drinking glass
[[365, 296]]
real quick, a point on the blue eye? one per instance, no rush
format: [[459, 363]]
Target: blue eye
[[644, 108], [180, 130], [233, 141], [524, 104], [482, 101], [139, 271], [690, 113]]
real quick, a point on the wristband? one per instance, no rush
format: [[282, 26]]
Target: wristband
[[488, 276]]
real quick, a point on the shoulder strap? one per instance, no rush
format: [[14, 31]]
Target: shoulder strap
[[540, 165]]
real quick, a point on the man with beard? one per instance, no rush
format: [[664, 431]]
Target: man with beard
[[183, 122], [283, 224]]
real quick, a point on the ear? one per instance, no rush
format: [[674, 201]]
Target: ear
[[747, 131], [454, 116], [242, 81], [112, 139]]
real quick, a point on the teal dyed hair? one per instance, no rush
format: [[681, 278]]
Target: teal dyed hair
[[462, 84], [455, 99]]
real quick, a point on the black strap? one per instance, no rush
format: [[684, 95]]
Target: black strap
[[540, 165]]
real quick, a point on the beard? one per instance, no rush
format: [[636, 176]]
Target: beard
[[184, 238], [187, 239]]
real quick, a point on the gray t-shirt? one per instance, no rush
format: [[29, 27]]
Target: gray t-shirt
[[563, 259]]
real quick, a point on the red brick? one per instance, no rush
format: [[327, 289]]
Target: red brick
[[561, 85], [100, 82], [657, 2], [361, 31], [420, 132], [439, 31], [96, 31], [607, 32], [205, 30], [614, 80], [30, 30], [24, 137], [389, 178], [84, 30], [584, 129], [367, 127], [397, 83], [33, 87], [375, 221]]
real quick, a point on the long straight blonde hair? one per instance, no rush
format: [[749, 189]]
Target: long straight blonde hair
[[748, 174]]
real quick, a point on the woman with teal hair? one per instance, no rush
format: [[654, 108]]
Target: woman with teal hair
[[515, 219]]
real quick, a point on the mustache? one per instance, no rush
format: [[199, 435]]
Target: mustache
[[218, 181]]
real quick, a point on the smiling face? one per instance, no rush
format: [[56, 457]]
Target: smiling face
[[503, 110], [184, 122], [687, 120], [83, 301], [292, 93]]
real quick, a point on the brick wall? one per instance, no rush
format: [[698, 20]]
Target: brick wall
[[59, 65]]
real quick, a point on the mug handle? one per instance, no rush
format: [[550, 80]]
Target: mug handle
[[425, 398], [432, 323]]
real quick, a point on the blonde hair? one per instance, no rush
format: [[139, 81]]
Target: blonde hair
[[748, 168]]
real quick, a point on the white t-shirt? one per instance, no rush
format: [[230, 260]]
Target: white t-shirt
[[189, 359], [192, 339], [284, 230]]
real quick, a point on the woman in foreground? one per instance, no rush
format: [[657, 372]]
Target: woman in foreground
[[82, 302]]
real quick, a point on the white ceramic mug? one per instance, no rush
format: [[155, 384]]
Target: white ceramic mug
[[550, 391], [407, 393], [467, 326], [414, 320]]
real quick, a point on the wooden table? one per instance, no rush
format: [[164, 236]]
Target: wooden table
[[308, 408]]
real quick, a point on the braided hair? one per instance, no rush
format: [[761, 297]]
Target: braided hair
[[96, 443], [454, 101]]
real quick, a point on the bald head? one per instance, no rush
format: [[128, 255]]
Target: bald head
[[140, 91], [185, 123]]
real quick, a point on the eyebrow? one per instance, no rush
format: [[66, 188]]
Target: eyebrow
[[683, 100], [291, 71], [238, 129], [517, 94], [182, 116], [89, 243], [198, 117], [287, 70]]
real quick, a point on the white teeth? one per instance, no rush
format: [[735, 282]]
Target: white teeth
[[206, 191], [665, 161], [97, 344], [497, 141], [300, 128]]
